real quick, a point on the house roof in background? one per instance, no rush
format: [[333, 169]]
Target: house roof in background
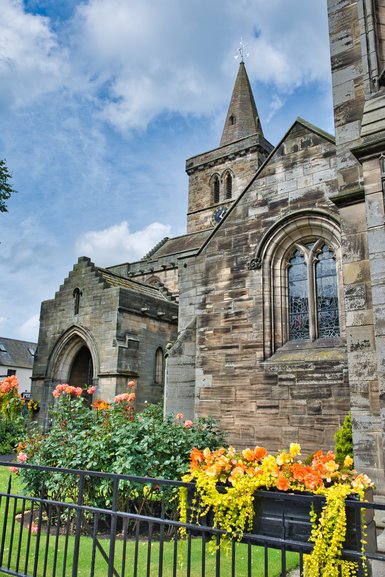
[[15, 353]]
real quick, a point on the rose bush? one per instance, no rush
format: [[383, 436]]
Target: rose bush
[[112, 438]]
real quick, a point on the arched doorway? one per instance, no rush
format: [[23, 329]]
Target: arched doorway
[[82, 370]]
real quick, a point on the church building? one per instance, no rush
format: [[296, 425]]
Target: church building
[[269, 313]]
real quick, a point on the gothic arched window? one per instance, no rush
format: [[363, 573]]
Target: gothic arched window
[[313, 292], [229, 186], [159, 367], [215, 188], [302, 296]]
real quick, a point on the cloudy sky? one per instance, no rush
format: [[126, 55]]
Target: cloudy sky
[[102, 101]]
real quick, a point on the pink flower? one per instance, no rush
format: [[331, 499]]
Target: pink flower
[[22, 457], [56, 394], [131, 384], [179, 416], [34, 528], [128, 397], [188, 424], [78, 391], [13, 469], [91, 390]]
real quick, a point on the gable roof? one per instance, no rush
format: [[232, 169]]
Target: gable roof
[[309, 126], [114, 280], [15, 353]]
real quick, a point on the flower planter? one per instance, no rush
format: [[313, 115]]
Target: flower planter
[[287, 516]]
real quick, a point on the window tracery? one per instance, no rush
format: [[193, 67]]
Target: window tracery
[[299, 259], [312, 293]]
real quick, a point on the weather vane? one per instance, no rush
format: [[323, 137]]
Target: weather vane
[[241, 51]]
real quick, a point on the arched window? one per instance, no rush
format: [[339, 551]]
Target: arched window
[[229, 185], [159, 367], [300, 261], [77, 293], [312, 292], [215, 188]]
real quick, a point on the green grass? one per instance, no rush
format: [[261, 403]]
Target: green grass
[[144, 560], [41, 549]]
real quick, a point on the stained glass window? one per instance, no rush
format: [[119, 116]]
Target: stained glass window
[[298, 298], [313, 293], [327, 294]]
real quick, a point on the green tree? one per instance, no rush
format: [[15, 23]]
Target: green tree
[[344, 440], [5, 188]]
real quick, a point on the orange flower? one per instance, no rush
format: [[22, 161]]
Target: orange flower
[[282, 483], [196, 458]]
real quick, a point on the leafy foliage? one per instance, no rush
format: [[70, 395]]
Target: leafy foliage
[[5, 188], [12, 421], [111, 438], [344, 440], [226, 482]]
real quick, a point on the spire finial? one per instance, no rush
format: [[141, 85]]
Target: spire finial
[[241, 51]]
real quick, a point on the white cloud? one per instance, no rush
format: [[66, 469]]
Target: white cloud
[[28, 331], [31, 61], [117, 244], [275, 105], [146, 57], [134, 60]]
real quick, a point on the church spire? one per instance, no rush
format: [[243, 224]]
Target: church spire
[[242, 118]]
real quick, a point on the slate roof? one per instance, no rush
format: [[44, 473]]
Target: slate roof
[[242, 117], [187, 243], [16, 353], [114, 280]]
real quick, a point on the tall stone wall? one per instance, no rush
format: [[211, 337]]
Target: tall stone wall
[[241, 159], [355, 71], [299, 394], [121, 328]]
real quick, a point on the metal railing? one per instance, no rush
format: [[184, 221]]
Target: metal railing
[[72, 523]]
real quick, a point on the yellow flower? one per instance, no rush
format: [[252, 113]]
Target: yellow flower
[[348, 462], [283, 458], [295, 449]]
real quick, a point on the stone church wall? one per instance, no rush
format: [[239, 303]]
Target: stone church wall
[[241, 159], [260, 400], [121, 328], [355, 76]]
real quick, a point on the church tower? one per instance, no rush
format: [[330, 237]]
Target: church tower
[[217, 177]]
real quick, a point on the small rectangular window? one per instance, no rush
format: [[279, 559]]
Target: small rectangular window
[[11, 372]]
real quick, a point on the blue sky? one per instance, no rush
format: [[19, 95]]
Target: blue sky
[[101, 103]]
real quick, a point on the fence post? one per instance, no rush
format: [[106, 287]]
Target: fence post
[[79, 514]]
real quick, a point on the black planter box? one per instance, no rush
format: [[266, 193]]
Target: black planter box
[[284, 515], [287, 516]]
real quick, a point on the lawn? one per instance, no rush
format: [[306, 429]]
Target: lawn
[[28, 553]]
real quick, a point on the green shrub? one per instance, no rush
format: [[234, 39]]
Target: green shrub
[[112, 439], [12, 422], [344, 440]]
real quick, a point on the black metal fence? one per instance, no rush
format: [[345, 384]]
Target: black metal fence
[[58, 528]]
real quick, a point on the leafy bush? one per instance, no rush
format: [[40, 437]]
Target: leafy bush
[[111, 438], [344, 440], [12, 422]]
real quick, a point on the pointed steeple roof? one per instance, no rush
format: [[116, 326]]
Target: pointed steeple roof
[[242, 118]]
